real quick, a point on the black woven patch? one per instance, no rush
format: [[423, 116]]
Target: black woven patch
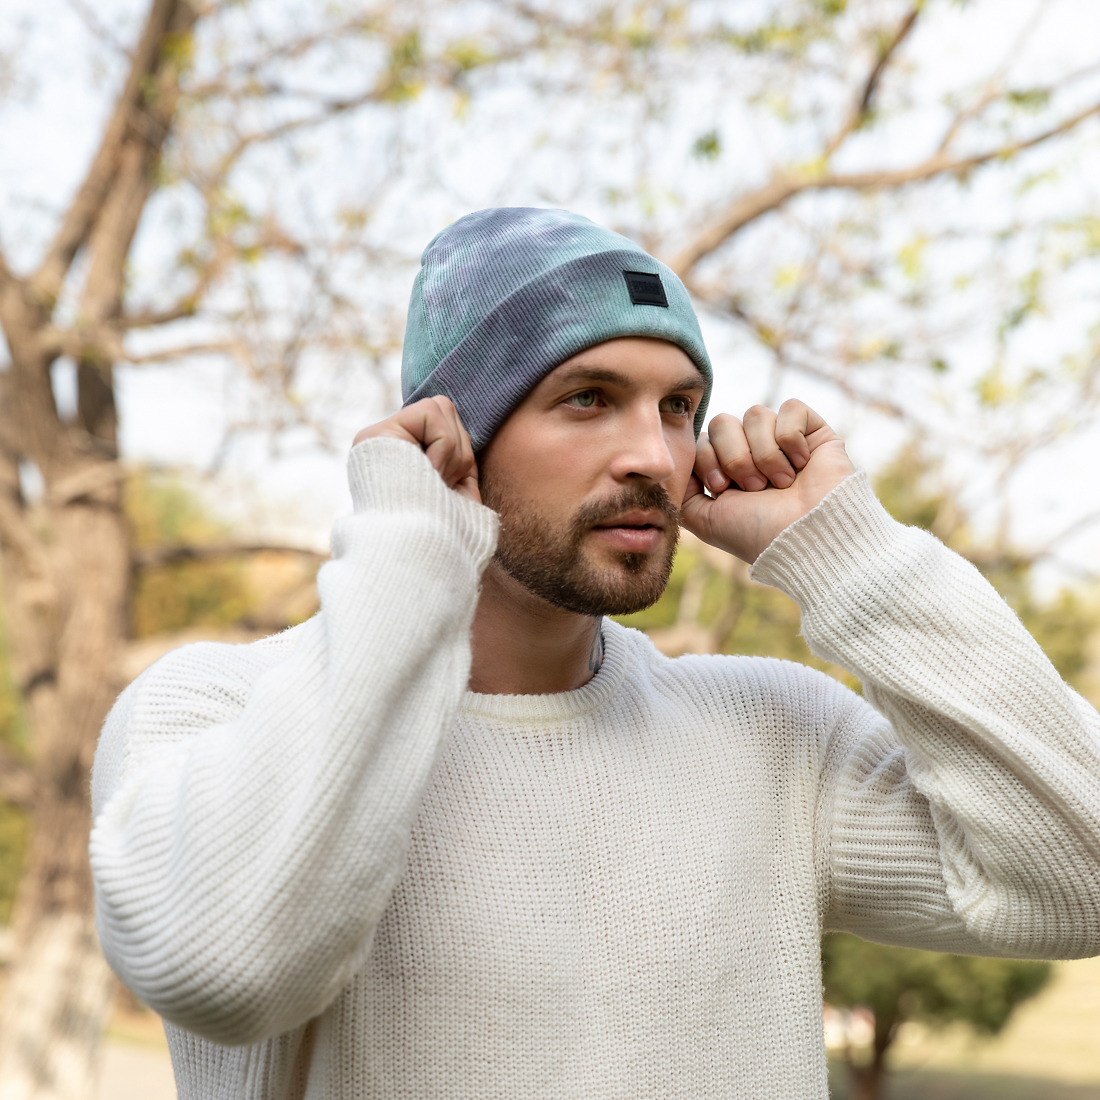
[[645, 289]]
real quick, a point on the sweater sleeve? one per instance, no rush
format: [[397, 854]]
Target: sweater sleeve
[[252, 804], [962, 813]]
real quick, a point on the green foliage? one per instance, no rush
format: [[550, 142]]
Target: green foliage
[[911, 257], [908, 489], [1031, 100], [1088, 227], [792, 33], [900, 984], [707, 146], [467, 55], [404, 78], [14, 828], [1028, 303], [12, 732], [214, 592]]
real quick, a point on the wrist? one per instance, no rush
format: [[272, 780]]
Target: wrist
[[832, 543], [390, 476]]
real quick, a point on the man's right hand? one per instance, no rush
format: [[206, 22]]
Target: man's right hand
[[433, 425]]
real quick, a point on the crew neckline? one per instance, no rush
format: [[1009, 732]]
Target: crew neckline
[[560, 706]]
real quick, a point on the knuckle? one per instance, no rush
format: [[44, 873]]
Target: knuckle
[[739, 465]]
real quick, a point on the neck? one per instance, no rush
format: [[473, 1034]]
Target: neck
[[523, 645]]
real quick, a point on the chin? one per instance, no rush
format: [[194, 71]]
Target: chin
[[632, 582], [586, 579]]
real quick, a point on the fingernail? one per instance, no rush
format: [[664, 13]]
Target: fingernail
[[798, 461], [716, 482], [754, 484], [781, 480]]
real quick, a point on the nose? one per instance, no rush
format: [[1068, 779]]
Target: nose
[[643, 449]]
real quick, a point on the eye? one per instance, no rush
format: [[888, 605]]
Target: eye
[[679, 406], [583, 400]]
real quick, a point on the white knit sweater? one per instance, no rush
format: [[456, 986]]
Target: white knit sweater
[[339, 875]]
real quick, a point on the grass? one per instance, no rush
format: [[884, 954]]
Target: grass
[[1050, 1050], [1054, 1037], [944, 1085]]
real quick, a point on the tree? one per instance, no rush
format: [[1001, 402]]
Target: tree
[[177, 248], [66, 557], [898, 984]]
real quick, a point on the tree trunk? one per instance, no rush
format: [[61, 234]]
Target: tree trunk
[[65, 568], [869, 1081], [65, 573], [54, 1011]]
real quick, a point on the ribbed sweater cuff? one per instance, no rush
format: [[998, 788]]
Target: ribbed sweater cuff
[[395, 477], [830, 546]]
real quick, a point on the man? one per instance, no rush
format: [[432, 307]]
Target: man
[[460, 836]]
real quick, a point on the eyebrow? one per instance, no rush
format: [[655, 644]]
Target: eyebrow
[[581, 373]]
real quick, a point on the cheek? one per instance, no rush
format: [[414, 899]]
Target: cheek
[[539, 470], [683, 456], [556, 460], [557, 478]]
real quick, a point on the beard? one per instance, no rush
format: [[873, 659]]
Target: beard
[[552, 561]]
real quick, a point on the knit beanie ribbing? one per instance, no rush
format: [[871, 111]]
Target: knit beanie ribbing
[[504, 295]]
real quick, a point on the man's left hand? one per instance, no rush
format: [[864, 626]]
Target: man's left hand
[[763, 473]]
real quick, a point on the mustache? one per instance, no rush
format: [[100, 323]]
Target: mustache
[[638, 496]]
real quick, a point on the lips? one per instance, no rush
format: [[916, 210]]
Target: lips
[[639, 517], [635, 532]]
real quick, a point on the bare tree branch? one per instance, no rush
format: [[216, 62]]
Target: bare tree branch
[[87, 204], [103, 344], [1075, 528], [17, 536], [147, 557], [873, 401], [7, 276], [99, 342], [100, 29], [213, 347], [86, 482], [180, 310], [292, 48], [785, 185], [861, 109]]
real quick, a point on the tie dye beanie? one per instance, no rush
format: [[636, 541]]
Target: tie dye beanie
[[504, 295]]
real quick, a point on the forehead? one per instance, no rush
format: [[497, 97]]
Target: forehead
[[629, 362]]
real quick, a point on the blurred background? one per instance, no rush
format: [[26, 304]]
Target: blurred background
[[211, 212]]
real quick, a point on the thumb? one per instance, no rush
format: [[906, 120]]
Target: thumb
[[468, 487], [695, 511]]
